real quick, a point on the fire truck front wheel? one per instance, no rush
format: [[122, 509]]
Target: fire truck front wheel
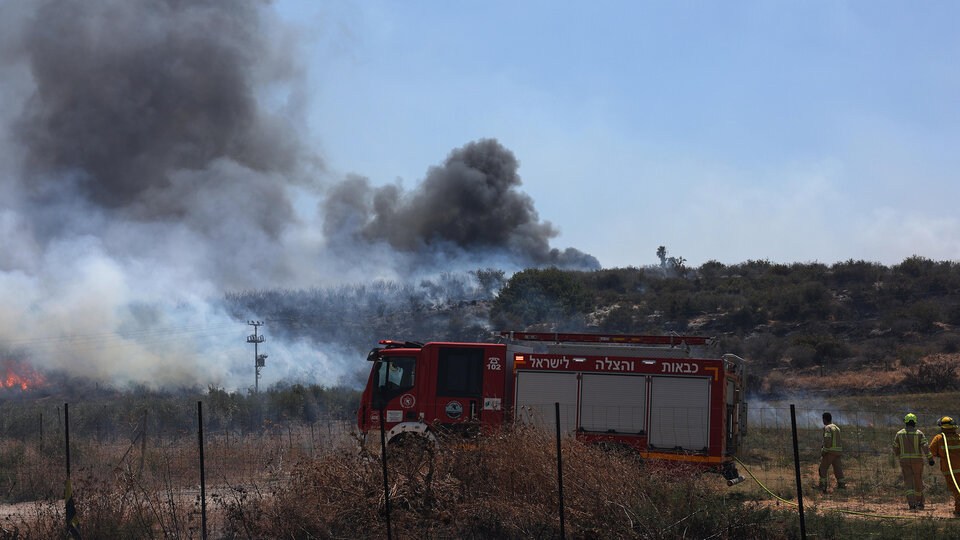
[[411, 455], [411, 440]]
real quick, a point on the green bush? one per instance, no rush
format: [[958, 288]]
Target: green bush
[[936, 374], [621, 319], [820, 349], [925, 313], [538, 296]]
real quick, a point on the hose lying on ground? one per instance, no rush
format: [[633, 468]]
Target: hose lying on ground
[[840, 510]]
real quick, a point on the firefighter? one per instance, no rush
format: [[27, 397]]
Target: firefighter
[[910, 446], [830, 454], [946, 446]]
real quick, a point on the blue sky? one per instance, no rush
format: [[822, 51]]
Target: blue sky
[[789, 131]]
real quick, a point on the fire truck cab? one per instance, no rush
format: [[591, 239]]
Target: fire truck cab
[[426, 388], [667, 397]]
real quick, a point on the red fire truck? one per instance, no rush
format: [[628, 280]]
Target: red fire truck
[[668, 397]]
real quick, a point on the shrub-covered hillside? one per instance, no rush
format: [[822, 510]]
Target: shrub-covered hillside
[[894, 326], [804, 326]]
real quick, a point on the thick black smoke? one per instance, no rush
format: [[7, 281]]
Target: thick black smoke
[[151, 160], [469, 204], [148, 110], [149, 152]]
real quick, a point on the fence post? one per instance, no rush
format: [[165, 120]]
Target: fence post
[[71, 508], [796, 463], [203, 481], [143, 443], [383, 452], [556, 406], [66, 434]]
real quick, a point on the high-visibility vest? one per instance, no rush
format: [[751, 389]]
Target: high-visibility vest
[[910, 442], [831, 438]]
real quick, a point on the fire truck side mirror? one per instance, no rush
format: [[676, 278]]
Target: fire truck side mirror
[[379, 390]]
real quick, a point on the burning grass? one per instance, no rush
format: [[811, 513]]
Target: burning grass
[[20, 376]]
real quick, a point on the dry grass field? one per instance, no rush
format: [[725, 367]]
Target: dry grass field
[[318, 481], [875, 485]]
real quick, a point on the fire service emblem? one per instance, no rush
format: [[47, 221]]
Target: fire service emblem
[[454, 410], [407, 401]]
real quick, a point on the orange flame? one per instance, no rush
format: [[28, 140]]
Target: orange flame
[[22, 376]]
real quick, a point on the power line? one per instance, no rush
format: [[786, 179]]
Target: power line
[[111, 340]]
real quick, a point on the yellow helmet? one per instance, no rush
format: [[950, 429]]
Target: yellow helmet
[[910, 418], [947, 423]]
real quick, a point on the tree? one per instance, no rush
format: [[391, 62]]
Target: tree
[[490, 281], [662, 254], [679, 265], [536, 296]]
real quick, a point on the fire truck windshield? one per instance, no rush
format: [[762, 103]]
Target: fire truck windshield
[[394, 375]]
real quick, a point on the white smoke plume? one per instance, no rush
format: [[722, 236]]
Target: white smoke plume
[[150, 160]]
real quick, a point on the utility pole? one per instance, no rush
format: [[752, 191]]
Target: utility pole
[[259, 360]]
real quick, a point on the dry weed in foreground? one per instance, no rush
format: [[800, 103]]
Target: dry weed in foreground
[[504, 486], [114, 498], [137, 490]]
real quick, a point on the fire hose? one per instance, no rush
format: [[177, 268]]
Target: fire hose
[[839, 510], [949, 466]]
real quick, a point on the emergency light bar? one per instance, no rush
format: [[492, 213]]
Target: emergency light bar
[[393, 344]]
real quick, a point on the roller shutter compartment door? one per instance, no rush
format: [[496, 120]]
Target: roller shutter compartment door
[[679, 413], [613, 403], [537, 391]]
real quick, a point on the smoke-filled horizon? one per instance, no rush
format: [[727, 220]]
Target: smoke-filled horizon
[[151, 160]]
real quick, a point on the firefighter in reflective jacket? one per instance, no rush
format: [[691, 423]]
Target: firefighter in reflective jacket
[[910, 446], [830, 454], [946, 446]]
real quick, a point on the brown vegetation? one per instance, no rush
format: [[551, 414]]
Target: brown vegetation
[[501, 486], [287, 483], [505, 486], [867, 381]]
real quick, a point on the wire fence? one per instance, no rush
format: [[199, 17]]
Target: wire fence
[[874, 481], [150, 462], [159, 462], [874, 485]]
